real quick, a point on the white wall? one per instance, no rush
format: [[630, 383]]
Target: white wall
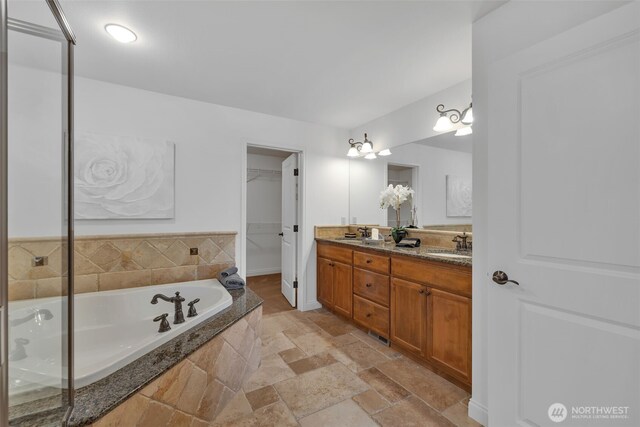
[[413, 122], [264, 216], [522, 21], [35, 167], [369, 177], [210, 159]]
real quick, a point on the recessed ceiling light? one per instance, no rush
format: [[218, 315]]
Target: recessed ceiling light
[[120, 33]]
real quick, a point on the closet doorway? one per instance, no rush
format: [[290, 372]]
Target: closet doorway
[[272, 225]]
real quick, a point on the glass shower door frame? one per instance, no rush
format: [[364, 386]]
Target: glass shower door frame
[[69, 37]]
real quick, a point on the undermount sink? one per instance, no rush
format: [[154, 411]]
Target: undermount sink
[[449, 255]]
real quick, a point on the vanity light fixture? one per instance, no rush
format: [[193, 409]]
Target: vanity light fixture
[[120, 33], [467, 130], [358, 148], [452, 116]]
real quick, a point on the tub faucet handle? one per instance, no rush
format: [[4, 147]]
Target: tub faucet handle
[[164, 323], [192, 308]]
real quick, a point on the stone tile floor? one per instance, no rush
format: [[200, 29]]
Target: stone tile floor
[[319, 370]]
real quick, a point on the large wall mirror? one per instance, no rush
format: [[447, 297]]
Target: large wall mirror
[[438, 169]]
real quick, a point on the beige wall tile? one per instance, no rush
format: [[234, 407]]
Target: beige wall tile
[[22, 289], [208, 250], [172, 275], [85, 283], [193, 390], [210, 271], [118, 262], [145, 255], [178, 253], [51, 287], [123, 280], [82, 265], [106, 256]]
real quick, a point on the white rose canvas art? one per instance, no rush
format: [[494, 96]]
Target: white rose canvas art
[[119, 177], [458, 196]]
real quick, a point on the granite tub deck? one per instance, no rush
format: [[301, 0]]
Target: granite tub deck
[[192, 376], [390, 248]]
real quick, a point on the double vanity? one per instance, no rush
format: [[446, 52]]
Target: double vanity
[[416, 299]]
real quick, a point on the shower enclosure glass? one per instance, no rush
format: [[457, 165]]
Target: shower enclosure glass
[[37, 278]]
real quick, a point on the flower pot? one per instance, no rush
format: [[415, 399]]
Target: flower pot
[[398, 234]]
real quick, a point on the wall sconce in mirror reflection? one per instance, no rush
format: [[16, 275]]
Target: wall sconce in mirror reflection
[[365, 148], [451, 117]]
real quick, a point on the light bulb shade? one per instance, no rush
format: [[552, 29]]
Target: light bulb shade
[[467, 117], [353, 152], [367, 147], [464, 131], [443, 124], [385, 152], [370, 156], [120, 33]]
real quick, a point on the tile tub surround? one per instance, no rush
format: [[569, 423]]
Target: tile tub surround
[[319, 370], [104, 263], [437, 238], [196, 373]]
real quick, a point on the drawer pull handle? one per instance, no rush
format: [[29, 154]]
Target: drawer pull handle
[[369, 261], [368, 285], [368, 314]]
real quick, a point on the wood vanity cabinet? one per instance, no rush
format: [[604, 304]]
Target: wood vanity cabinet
[[423, 307], [335, 279], [449, 332], [409, 315], [371, 291]]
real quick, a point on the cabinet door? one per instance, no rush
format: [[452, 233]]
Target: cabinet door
[[325, 282], [408, 315], [449, 332], [342, 288]]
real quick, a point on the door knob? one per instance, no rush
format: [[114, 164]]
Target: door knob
[[501, 278]]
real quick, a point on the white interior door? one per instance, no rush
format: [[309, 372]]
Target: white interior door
[[564, 221], [289, 221]]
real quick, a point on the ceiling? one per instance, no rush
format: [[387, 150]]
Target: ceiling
[[335, 63]]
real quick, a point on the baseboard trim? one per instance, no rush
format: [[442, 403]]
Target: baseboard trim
[[263, 272], [309, 306], [478, 412]]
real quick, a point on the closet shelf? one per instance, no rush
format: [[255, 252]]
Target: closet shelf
[[253, 174]]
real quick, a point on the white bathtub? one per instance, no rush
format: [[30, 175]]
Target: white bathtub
[[112, 329]]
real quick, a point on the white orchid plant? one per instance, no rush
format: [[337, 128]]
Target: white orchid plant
[[394, 197]]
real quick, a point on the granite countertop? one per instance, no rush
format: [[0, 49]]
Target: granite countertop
[[95, 400], [423, 252]]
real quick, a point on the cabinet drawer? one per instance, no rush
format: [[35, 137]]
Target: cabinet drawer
[[372, 286], [335, 253], [441, 276], [371, 315], [377, 263]]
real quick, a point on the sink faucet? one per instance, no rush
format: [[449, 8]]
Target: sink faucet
[[177, 301], [366, 231], [461, 242]]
